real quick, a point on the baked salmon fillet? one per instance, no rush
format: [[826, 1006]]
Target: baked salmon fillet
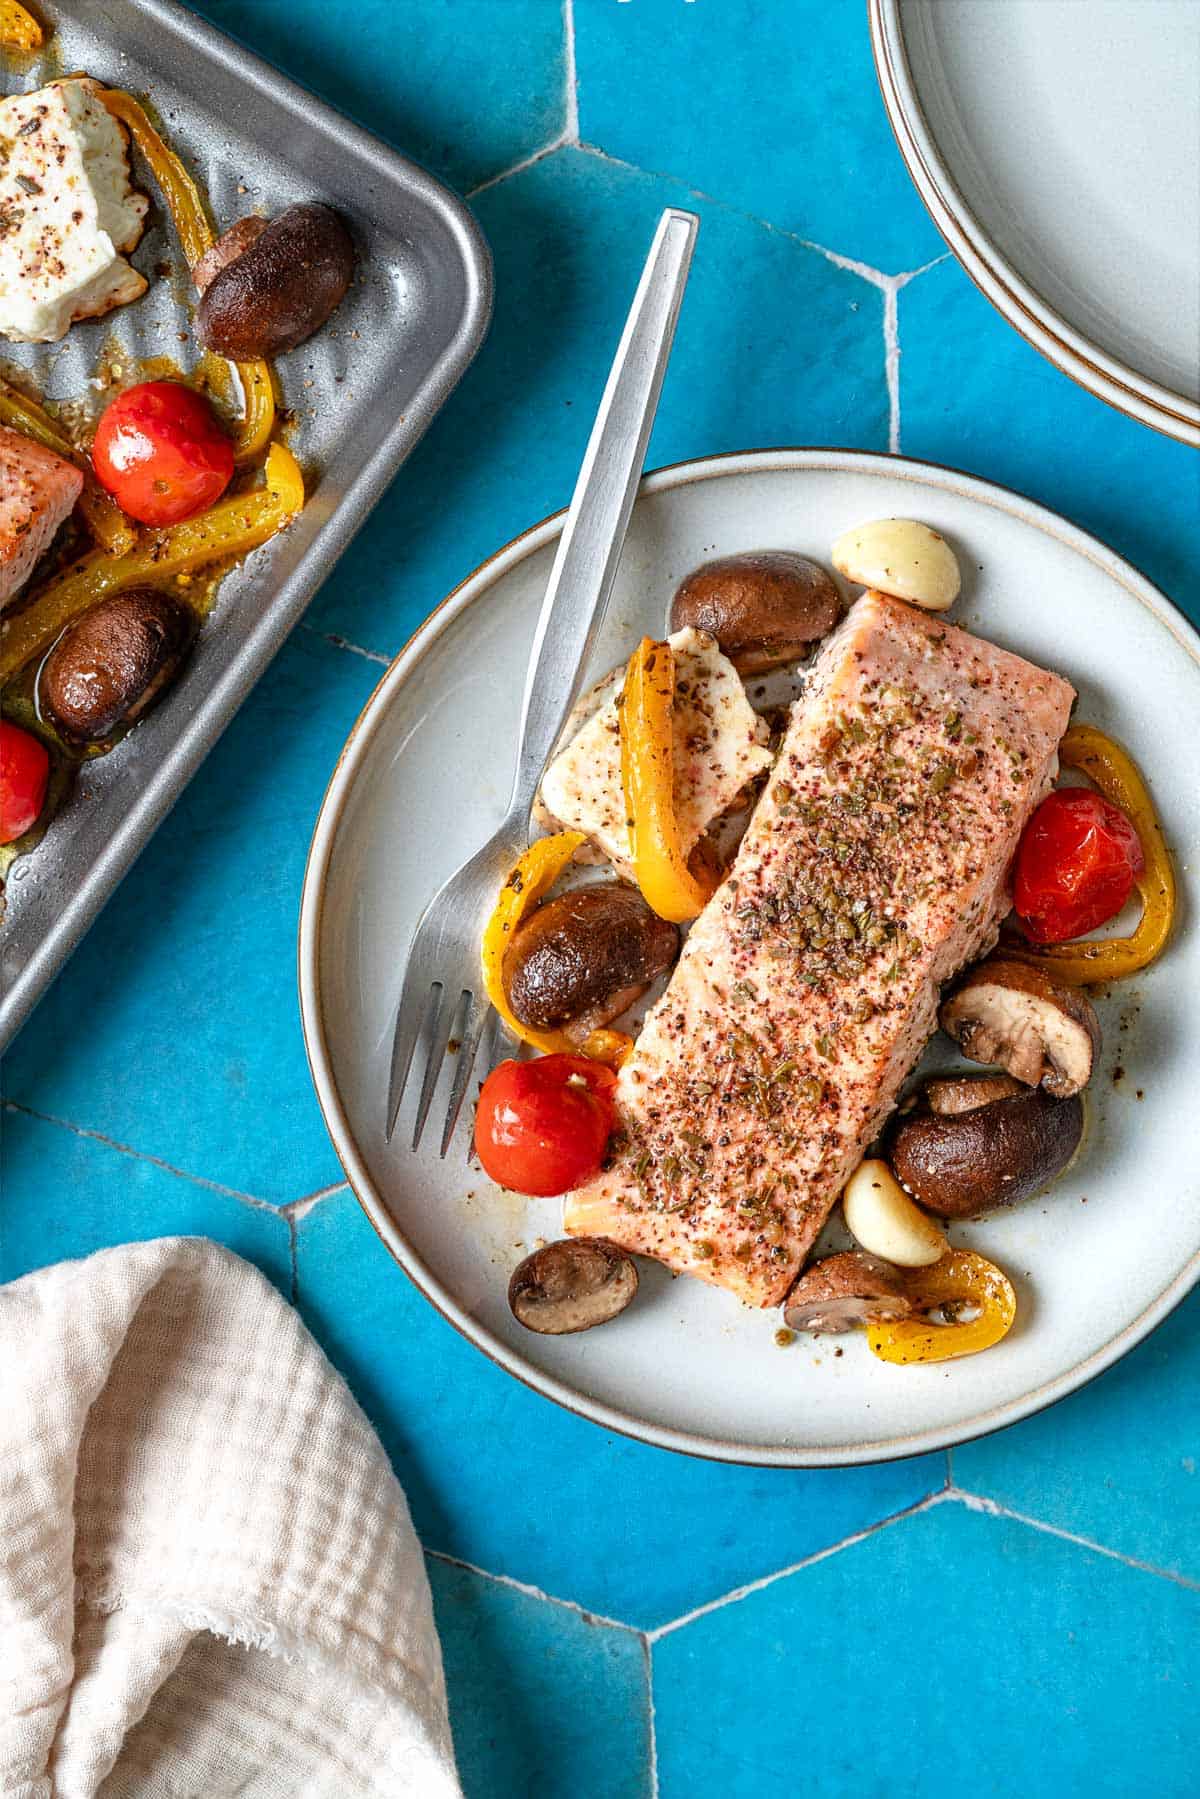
[[875, 866], [37, 491]]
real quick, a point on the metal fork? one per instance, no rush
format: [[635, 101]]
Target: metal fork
[[443, 994]]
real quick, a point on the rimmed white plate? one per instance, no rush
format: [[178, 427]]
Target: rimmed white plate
[[1057, 146], [423, 780]]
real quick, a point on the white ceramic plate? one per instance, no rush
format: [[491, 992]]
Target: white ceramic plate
[[1057, 145], [424, 779]]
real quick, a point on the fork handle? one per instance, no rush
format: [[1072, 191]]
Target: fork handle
[[589, 549]]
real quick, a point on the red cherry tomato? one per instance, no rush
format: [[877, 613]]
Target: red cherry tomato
[[1076, 864], [24, 771], [161, 453], [542, 1126]]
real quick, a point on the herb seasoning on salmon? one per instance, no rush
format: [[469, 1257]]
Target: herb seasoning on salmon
[[875, 867]]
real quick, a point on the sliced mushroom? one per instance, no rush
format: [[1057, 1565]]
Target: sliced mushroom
[[764, 608], [844, 1292], [1013, 1014], [572, 1285], [280, 288], [582, 959], [111, 664], [961, 1164], [952, 1095]]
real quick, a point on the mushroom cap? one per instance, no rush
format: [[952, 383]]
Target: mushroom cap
[[962, 1164], [764, 607], [1012, 1013], [584, 957], [844, 1292], [281, 288], [114, 660], [572, 1285]]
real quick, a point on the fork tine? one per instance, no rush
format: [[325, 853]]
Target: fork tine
[[485, 1061], [477, 1013], [417, 1000], [499, 1048], [439, 1035]]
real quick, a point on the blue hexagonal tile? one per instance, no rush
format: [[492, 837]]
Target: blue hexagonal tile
[[466, 87], [187, 981], [774, 109], [976, 395], [504, 1479], [775, 346], [542, 1699], [1118, 1463], [65, 1195], [949, 1651]]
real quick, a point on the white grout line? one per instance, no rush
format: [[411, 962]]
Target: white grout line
[[891, 364], [977, 1502], [809, 1561], [651, 1720], [891, 344], [142, 1155], [298, 1209], [888, 285], [571, 99], [518, 168], [570, 128], [343, 643], [530, 1592]]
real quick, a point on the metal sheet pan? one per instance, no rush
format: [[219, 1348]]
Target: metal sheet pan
[[362, 393]]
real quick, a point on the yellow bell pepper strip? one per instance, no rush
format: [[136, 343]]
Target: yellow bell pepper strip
[[258, 409], [233, 527], [196, 236], [19, 30], [105, 520], [610, 1047], [959, 1279], [534, 875], [1120, 780], [648, 777]]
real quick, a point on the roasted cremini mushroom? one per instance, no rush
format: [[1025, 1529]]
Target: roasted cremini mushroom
[[1013, 1014], [111, 664], [572, 1285], [581, 959], [764, 608], [267, 290], [845, 1292], [962, 1163]]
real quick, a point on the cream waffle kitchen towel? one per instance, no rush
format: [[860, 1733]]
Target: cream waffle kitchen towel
[[209, 1581]]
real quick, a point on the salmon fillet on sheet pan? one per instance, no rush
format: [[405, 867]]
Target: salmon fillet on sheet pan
[[875, 866]]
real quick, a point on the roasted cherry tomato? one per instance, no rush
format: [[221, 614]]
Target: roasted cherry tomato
[[161, 453], [1076, 864], [24, 771], [542, 1126]]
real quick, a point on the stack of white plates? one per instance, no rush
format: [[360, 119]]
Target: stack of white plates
[[1057, 145]]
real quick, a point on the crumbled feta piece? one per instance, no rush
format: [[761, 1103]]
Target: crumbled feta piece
[[67, 212], [720, 745]]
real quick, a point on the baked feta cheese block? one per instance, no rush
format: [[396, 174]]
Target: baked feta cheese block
[[67, 212], [720, 746]]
